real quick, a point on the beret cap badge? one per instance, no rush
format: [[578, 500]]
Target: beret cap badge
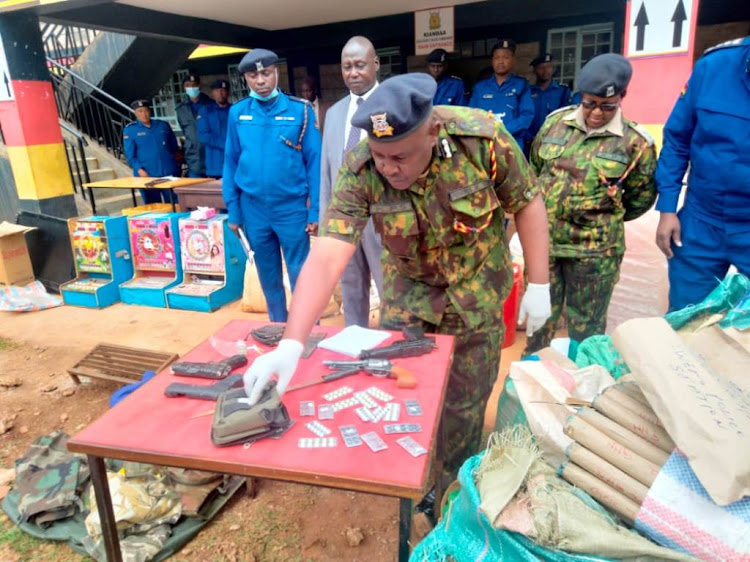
[[380, 125]]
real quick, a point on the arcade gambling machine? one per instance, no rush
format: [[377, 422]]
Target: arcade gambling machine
[[213, 265], [155, 243], [102, 261]]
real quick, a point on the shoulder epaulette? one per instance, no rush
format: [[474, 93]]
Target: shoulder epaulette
[[641, 130], [456, 78], [728, 44], [466, 121], [561, 109], [131, 123], [358, 157], [301, 100]]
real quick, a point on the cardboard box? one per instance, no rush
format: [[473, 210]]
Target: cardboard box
[[15, 264]]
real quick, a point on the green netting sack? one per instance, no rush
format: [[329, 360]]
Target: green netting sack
[[465, 534], [731, 296], [599, 350], [509, 409]]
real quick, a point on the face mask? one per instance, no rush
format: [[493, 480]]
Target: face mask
[[192, 92], [261, 98]]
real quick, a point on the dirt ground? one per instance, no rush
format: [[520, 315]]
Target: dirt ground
[[286, 522]]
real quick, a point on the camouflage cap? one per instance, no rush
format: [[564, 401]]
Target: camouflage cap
[[397, 107], [605, 75], [257, 60]]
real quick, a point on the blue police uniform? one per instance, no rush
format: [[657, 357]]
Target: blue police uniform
[[212, 133], [545, 102], [450, 91], [195, 156], [510, 102], [271, 171], [153, 149], [708, 128]]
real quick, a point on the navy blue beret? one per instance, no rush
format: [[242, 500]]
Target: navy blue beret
[[605, 75], [216, 84], [256, 60], [140, 103], [397, 107], [504, 44], [438, 55], [546, 57], [192, 77]]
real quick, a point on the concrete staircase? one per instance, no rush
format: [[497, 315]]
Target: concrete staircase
[[103, 166]]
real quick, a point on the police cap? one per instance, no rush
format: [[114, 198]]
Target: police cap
[[192, 77], [438, 55], [397, 107], [217, 84], [504, 44], [257, 60], [140, 103], [545, 57], [605, 75]]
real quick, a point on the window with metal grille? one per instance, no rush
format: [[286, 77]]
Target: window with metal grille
[[572, 47], [390, 62], [164, 103]]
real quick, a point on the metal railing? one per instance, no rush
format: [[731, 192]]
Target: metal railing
[[65, 43], [91, 110], [75, 149]]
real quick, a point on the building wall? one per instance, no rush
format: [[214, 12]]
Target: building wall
[[709, 35]]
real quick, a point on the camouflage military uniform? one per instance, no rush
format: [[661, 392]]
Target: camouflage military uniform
[[446, 264], [586, 208], [50, 480]]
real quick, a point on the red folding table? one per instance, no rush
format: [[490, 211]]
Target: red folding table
[[150, 427]]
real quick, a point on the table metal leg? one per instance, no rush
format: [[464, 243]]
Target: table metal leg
[[404, 528], [174, 203], [132, 194], [104, 505], [93, 203]]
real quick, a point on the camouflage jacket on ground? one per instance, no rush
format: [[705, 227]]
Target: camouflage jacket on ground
[[444, 237], [577, 173], [50, 480]]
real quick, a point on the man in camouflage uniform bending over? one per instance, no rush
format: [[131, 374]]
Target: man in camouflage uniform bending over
[[437, 183], [596, 170]]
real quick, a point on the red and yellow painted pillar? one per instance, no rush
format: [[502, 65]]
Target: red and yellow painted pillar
[[660, 42], [28, 117]]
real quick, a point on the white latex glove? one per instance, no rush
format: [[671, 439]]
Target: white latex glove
[[536, 307], [281, 362]]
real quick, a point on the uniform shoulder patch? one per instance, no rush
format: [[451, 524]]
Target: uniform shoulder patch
[[301, 100], [466, 121], [641, 130], [728, 44], [358, 157], [562, 110]]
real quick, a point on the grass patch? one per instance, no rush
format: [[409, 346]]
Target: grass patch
[[19, 541], [7, 345]]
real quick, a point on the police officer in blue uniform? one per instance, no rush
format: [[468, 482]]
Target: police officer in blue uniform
[[708, 129], [187, 113], [548, 95], [150, 148], [505, 94], [212, 128], [450, 90], [271, 173]]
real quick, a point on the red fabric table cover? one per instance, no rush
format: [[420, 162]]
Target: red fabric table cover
[[148, 426]]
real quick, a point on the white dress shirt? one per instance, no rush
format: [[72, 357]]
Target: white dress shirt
[[350, 112]]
